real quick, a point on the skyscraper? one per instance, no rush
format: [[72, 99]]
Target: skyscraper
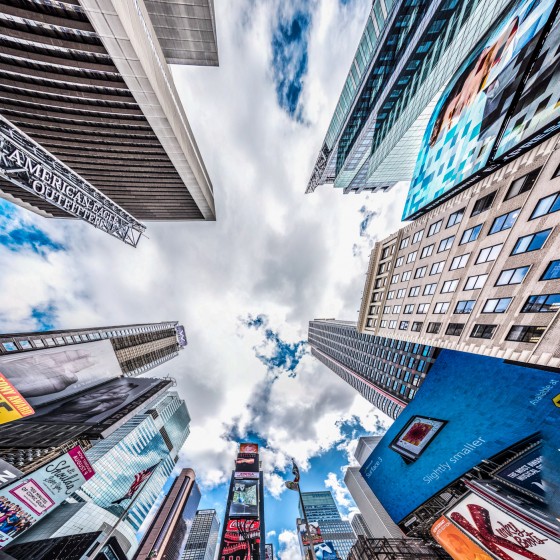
[[164, 538], [385, 371], [359, 526], [321, 509], [406, 55], [118, 135], [243, 534], [373, 514], [203, 536]]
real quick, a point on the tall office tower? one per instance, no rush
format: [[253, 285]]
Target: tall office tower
[[166, 534], [67, 371], [243, 532], [320, 508], [373, 514], [407, 53], [385, 371], [203, 536], [479, 273], [91, 123], [359, 526], [141, 454]]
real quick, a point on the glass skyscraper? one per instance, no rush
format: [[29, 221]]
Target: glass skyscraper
[[203, 537], [320, 507]]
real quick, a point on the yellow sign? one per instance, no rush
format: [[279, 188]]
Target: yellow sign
[[12, 405], [556, 400]]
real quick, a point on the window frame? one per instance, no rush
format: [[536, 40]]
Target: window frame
[[478, 229], [513, 271], [484, 204], [434, 226], [497, 300], [493, 231], [456, 213], [533, 236]]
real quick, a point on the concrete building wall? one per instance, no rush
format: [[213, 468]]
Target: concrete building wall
[[407, 279]]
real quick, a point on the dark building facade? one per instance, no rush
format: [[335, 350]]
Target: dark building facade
[[165, 537], [203, 536], [397, 549], [97, 94], [385, 371], [243, 534]]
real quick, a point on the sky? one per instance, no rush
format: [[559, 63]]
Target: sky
[[245, 286]]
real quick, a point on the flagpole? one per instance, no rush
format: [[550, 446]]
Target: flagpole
[[100, 546]]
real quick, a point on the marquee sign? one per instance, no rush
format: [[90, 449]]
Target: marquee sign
[[26, 164]]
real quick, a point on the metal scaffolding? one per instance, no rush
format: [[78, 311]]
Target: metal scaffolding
[[395, 549]]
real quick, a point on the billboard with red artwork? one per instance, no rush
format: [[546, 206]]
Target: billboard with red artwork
[[241, 539]]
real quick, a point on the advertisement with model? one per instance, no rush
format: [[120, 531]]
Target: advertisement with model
[[244, 500], [451, 426], [50, 374], [29, 499], [474, 126]]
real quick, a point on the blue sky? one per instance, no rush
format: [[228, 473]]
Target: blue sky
[[246, 286]]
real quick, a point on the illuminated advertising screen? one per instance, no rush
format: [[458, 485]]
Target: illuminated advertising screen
[[43, 376], [468, 118], [325, 551], [268, 551], [97, 404], [482, 526], [315, 531], [524, 473], [239, 535], [244, 499], [416, 436], [247, 464], [29, 499], [181, 336], [248, 448], [483, 414], [12, 405]]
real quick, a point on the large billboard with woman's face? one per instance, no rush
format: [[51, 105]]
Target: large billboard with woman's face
[[460, 139]]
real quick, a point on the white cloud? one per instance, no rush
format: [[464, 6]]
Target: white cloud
[[289, 546]]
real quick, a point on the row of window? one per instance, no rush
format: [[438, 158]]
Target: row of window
[[517, 333]]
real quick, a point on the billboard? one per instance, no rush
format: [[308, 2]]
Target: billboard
[[8, 473], [467, 122], [483, 414], [97, 404], [325, 551], [29, 499], [43, 376], [244, 499], [315, 531], [239, 535], [247, 464], [181, 335], [524, 474], [268, 551], [248, 448], [483, 526], [12, 405]]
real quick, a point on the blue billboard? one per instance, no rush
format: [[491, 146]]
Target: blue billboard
[[467, 126], [468, 409]]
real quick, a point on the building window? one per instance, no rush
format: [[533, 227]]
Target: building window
[[386, 309], [483, 204], [545, 303], [459, 262], [395, 279], [433, 328], [532, 242], [489, 254], [423, 308], [391, 294], [383, 324], [556, 173], [392, 324], [399, 262], [408, 309], [505, 221], [512, 276], [445, 244], [416, 326], [411, 257], [455, 329], [369, 323], [496, 305], [420, 272], [406, 276], [427, 251], [414, 291], [552, 271], [455, 218], [520, 333], [437, 268], [483, 331], [475, 282], [464, 307], [417, 236], [441, 307], [523, 184], [380, 282], [546, 205], [429, 289], [401, 293], [449, 286], [376, 296], [386, 252], [404, 243], [470, 234], [434, 228], [396, 309], [403, 326]]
